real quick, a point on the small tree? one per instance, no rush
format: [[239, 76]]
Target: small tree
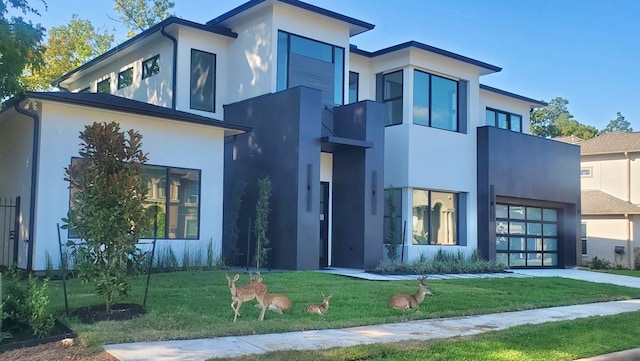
[[393, 238], [107, 212], [262, 222]]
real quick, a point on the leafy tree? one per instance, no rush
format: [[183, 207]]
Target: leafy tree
[[555, 120], [620, 124], [19, 45], [108, 213], [139, 15], [261, 224], [68, 47]]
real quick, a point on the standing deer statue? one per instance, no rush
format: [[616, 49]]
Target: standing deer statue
[[406, 301], [239, 295], [321, 308], [275, 302]]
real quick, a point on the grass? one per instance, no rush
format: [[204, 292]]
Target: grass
[[554, 341], [196, 304], [624, 272]]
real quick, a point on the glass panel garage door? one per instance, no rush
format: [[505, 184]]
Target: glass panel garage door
[[526, 236]]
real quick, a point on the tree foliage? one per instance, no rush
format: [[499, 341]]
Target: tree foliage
[[139, 15], [619, 124], [262, 222], [20, 45], [108, 212], [68, 47], [555, 120]]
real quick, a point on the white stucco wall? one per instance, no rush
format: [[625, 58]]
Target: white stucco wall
[[169, 143], [500, 102], [156, 89], [16, 144], [204, 41], [367, 79]]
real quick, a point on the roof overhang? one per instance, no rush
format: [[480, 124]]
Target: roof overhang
[[484, 68], [251, 7], [168, 25], [532, 102], [118, 104]]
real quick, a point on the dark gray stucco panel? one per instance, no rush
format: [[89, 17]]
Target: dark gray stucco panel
[[521, 167], [358, 192], [283, 145]]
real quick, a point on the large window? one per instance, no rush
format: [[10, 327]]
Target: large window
[[174, 194], [304, 61], [104, 86], [354, 79], [526, 236], [392, 97], [504, 120], [125, 78], [435, 101], [151, 67], [435, 217], [203, 80]]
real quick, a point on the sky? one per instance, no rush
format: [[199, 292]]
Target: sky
[[586, 51]]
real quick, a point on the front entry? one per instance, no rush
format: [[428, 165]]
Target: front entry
[[324, 224]]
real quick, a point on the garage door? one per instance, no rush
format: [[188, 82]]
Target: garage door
[[526, 236]]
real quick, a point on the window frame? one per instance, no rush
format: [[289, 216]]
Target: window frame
[[509, 116], [122, 78], [430, 102], [457, 229], [356, 76], [155, 61], [389, 100], [194, 104], [106, 80]]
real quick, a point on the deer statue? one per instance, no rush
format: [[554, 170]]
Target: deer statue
[[239, 295], [275, 302], [405, 301], [321, 308]]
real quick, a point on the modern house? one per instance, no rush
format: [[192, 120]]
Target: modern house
[[609, 173], [275, 88]]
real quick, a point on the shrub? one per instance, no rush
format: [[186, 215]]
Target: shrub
[[442, 262], [24, 304], [599, 263]]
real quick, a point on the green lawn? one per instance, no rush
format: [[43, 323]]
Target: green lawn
[[196, 304], [624, 272]]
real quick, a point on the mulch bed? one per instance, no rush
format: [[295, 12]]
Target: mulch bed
[[118, 312]]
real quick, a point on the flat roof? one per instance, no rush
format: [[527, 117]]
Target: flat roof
[[513, 95]]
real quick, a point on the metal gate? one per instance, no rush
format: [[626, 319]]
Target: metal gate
[[9, 230]]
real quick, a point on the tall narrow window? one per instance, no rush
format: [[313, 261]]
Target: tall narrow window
[[354, 79], [151, 67], [125, 78], [203, 70], [104, 86], [392, 97], [435, 101]]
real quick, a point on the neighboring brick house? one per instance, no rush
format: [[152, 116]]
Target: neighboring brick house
[[279, 90], [610, 181]]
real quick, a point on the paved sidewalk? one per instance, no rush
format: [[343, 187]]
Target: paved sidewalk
[[202, 349]]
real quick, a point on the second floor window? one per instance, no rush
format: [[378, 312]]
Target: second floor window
[[203, 80], [104, 86], [435, 101], [354, 79], [151, 67], [392, 97], [504, 120], [125, 78]]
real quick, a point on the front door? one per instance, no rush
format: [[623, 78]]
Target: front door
[[324, 224]]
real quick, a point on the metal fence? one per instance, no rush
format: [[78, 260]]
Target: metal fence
[[9, 230]]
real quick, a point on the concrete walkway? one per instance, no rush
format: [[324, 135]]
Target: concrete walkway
[[232, 346]]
